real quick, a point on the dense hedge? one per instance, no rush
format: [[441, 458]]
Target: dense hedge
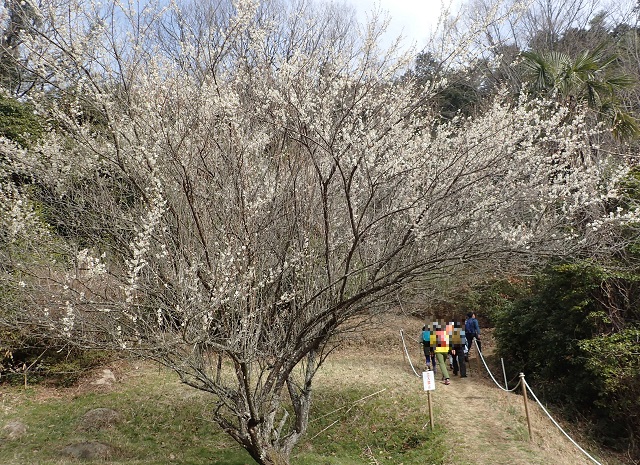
[[575, 332]]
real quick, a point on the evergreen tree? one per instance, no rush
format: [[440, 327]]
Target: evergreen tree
[[21, 17]]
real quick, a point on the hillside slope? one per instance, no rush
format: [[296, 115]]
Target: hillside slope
[[163, 418], [485, 425]]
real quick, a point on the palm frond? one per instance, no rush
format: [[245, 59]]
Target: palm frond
[[625, 126]]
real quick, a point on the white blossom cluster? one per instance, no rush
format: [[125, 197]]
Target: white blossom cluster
[[90, 265], [237, 193], [142, 242], [68, 320]]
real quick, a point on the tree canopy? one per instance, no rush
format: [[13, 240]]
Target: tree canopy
[[228, 187]]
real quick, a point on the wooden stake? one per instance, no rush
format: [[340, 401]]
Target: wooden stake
[[506, 384], [526, 404], [430, 410]]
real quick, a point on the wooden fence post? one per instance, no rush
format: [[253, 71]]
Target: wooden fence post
[[526, 404], [430, 410], [429, 382], [504, 373]]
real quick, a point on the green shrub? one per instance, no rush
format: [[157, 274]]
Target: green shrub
[[574, 335], [43, 359], [18, 121], [614, 360]]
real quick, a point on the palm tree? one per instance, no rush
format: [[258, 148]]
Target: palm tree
[[585, 79]]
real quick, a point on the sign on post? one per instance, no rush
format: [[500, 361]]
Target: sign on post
[[429, 381]]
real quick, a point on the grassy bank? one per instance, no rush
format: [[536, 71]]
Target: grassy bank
[[166, 422]]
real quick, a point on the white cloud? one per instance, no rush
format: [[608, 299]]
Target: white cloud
[[413, 19]]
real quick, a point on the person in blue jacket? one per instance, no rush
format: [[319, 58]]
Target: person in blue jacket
[[472, 331]]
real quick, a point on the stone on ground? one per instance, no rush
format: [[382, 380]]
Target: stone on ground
[[99, 418], [14, 429]]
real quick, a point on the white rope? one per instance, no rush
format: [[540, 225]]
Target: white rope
[[407, 353], [537, 401], [506, 390], [475, 341], [557, 425]]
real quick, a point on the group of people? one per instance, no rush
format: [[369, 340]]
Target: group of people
[[454, 340]]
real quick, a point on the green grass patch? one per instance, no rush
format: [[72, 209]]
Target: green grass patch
[[380, 430], [162, 423], [165, 422]]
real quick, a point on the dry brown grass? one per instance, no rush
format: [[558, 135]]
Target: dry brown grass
[[485, 424]]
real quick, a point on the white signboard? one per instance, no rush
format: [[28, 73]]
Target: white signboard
[[429, 381]]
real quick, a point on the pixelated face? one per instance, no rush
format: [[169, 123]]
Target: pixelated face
[[440, 333], [444, 334]]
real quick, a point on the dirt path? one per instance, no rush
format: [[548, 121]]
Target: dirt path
[[486, 425]]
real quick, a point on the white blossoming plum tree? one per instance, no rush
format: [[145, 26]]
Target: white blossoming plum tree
[[228, 187]]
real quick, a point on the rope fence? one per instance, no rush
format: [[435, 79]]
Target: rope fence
[[557, 425], [406, 352], [525, 387], [486, 367], [528, 388]]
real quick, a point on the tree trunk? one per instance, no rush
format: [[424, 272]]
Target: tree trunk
[[271, 456], [276, 457]]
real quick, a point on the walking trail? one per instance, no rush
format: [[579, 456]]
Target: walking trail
[[485, 425]]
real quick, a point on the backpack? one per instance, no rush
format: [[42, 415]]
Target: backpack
[[458, 338], [426, 337], [469, 327]]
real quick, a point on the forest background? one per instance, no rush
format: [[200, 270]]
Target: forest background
[[229, 187]]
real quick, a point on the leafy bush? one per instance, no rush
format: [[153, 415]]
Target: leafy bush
[[44, 359], [575, 335], [28, 346], [18, 121], [614, 360], [487, 299]]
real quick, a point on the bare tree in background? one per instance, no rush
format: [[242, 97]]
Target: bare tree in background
[[542, 24], [228, 188]]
